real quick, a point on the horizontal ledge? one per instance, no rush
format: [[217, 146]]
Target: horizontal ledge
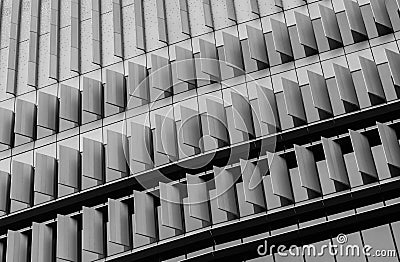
[[125, 186], [244, 227]]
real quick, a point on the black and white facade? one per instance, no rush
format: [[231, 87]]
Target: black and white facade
[[198, 130]]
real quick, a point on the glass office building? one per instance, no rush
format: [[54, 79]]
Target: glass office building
[[198, 130]]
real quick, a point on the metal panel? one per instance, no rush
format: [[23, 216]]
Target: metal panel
[[2, 251], [254, 7], [68, 166], [319, 92], [25, 118], [250, 64], [354, 17], [394, 65], [230, 9], [67, 238], [293, 99], [118, 217], [11, 73], [7, 126], [305, 30], [115, 88], [280, 178], [209, 59], [268, 107], [21, 182], [191, 127], [258, 49], [226, 194], [141, 144], [242, 114], [75, 36], [307, 169], [69, 103], [252, 183], [144, 209], [13, 48], [45, 174], [93, 231], [34, 43], [96, 32], [392, 8], [217, 122], [199, 207], [42, 243], [330, 24], [166, 140], [280, 34], [17, 247], [92, 159], [380, 13], [184, 12], [117, 25], [47, 111], [138, 81], [160, 73], [390, 144], [4, 190], [208, 15], [371, 77], [117, 151], [345, 84], [54, 39], [171, 209], [232, 51], [92, 96], [362, 151], [185, 65], [162, 22], [139, 23], [335, 161]]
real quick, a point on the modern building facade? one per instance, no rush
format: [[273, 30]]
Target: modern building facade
[[199, 130]]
